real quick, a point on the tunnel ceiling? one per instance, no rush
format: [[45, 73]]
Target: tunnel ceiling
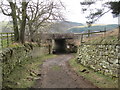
[[59, 36]]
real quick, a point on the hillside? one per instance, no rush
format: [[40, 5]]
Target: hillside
[[111, 37], [64, 27], [92, 28], [61, 27]]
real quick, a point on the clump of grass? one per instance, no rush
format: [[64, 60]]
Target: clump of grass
[[56, 67]]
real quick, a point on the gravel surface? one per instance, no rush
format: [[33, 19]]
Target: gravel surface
[[56, 73]]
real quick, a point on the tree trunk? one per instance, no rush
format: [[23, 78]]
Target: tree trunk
[[23, 22], [119, 35], [15, 24], [31, 32]]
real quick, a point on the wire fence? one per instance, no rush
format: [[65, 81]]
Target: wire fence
[[84, 37], [6, 39], [90, 35]]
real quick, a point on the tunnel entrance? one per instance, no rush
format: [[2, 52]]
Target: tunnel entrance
[[60, 46]]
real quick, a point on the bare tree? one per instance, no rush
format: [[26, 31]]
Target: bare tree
[[11, 8], [34, 14], [42, 13]]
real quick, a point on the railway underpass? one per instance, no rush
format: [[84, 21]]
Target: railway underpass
[[62, 42]]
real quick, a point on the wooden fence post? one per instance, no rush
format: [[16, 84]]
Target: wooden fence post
[[1, 41], [105, 32], [7, 40], [11, 38], [81, 38], [88, 33], [119, 34]]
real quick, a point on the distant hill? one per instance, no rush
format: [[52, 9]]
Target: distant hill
[[64, 27], [61, 27], [84, 29], [73, 23], [6, 27]]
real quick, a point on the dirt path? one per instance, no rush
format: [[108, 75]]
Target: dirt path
[[56, 74]]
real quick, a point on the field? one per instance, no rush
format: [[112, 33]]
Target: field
[[6, 39]]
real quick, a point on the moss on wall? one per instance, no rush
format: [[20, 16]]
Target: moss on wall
[[101, 55], [11, 57], [101, 58]]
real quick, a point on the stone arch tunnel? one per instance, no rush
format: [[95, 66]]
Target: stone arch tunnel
[[59, 42], [59, 46]]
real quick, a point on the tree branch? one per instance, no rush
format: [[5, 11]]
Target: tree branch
[[7, 14], [101, 15]]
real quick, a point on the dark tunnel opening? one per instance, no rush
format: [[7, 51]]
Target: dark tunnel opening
[[60, 46]]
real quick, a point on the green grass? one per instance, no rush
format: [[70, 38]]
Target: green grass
[[104, 40], [5, 44], [25, 74], [56, 67], [96, 78]]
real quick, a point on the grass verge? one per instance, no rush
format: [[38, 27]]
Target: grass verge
[[96, 78], [56, 67], [25, 74]]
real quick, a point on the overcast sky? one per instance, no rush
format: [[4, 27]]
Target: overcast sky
[[73, 13]]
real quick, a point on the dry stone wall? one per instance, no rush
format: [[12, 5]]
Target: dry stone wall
[[101, 58], [11, 57]]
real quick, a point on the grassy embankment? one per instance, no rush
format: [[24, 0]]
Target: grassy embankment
[[96, 78], [110, 37]]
